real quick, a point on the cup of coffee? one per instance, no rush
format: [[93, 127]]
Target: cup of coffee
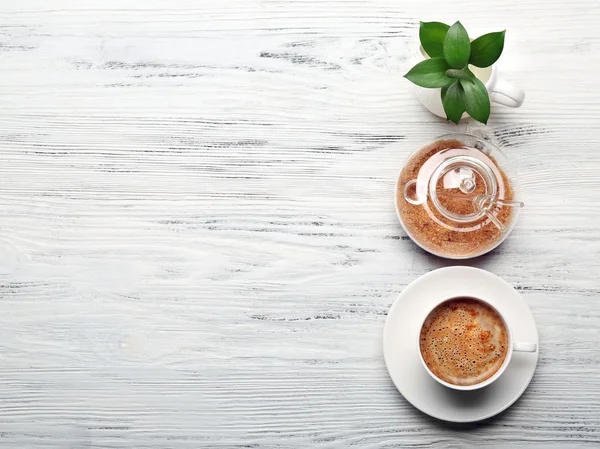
[[466, 344]]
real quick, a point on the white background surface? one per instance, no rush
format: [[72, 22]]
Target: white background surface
[[198, 242]]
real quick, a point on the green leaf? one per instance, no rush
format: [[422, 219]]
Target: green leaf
[[468, 72], [477, 100], [430, 73], [432, 36], [457, 46], [444, 90], [454, 102], [486, 49]]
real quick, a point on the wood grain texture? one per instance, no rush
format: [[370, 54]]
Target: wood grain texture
[[198, 244]]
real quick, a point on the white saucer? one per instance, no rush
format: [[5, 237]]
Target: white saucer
[[400, 344]]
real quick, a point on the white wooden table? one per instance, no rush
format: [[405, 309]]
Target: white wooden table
[[198, 242]]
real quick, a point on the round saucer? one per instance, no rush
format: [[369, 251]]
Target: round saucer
[[400, 344]]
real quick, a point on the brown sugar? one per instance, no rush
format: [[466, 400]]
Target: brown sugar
[[437, 233]]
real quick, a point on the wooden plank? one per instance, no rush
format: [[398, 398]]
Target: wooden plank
[[198, 241]]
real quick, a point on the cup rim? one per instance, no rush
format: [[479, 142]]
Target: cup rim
[[490, 379]]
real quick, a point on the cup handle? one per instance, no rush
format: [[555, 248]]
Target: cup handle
[[506, 93], [522, 346]]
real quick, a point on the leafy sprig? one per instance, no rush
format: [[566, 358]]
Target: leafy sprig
[[450, 53]]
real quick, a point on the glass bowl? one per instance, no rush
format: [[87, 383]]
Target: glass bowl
[[458, 196]]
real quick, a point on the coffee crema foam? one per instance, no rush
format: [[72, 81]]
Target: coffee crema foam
[[464, 341]]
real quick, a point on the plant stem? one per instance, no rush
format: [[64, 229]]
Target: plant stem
[[458, 73]]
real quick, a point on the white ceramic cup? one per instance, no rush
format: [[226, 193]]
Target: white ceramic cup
[[512, 346], [501, 91]]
